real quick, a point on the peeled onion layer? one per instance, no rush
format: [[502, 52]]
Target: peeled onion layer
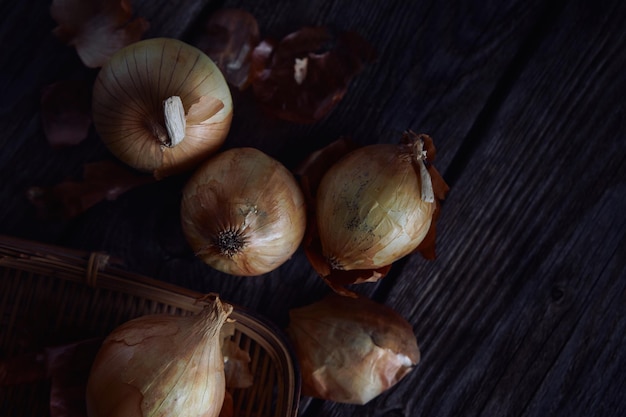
[[128, 98], [243, 213], [161, 365], [236, 360], [350, 350]]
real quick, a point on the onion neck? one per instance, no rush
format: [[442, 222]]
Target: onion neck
[[175, 121], [209, 321], [420, 156]]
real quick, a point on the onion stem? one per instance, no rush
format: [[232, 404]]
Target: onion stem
[[428, 195], [175, 121]]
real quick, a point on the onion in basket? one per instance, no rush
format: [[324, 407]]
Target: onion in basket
[[161, 365]]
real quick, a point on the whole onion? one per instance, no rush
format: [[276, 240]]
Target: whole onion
[[351, 349], [162, 106], [161, 365], [243, 212], [373, 206]]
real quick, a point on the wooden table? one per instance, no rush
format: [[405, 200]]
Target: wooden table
[[523, 313]]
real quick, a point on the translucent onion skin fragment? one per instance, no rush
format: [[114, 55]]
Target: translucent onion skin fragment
[[351, 349], [161, 365], [229, 38]]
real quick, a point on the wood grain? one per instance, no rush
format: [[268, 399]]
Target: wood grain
[[524, 311], [532, 245]]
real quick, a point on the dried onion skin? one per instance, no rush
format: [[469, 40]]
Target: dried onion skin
[[350, 350], [243, 212]]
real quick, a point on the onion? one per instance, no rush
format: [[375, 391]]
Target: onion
[[243, 212], [161, 365], [351, 349], [375, 205], [161, 106]]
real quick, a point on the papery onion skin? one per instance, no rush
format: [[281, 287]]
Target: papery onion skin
[[128, 101], [161, 365], [351, 349], [229, 37], [369, 208], [243, 213]]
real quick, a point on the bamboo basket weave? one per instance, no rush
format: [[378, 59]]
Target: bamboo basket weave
[[47, 291]]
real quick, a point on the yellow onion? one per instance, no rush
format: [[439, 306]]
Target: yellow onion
[[373, 205], [243, 212], [350, 350], [370, 210], [161, 106], [161, 365]]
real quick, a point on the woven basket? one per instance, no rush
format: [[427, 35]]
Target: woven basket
[[51, 295]]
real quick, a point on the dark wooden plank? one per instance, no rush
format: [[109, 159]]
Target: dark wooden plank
[[524, 310], [436, 69]]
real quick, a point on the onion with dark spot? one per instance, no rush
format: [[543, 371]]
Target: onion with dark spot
[[375, 205]]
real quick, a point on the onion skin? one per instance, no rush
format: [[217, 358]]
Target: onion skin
[[128, 101], [243, 213], [161, 365], [351, 349]]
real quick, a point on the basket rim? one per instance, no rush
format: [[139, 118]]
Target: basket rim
[[99, 270]]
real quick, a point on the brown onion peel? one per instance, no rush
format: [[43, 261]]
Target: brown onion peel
[[97, 29], [161, 106], [351, 349], [236, 360], [243, 212], [101, 181], [161, 365], [66, 112], [64, 368], [420, 150], [229, 37], [300, 79], [427, 248]]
